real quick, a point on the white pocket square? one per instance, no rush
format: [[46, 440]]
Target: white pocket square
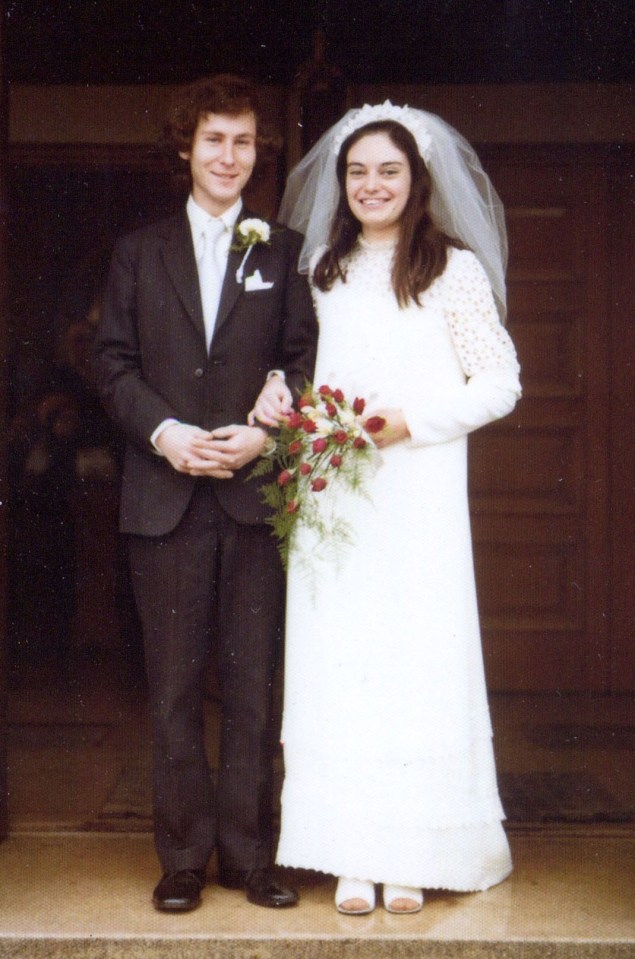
[[256, 282]]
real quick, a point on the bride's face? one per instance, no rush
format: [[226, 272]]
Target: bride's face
[[378, 181]]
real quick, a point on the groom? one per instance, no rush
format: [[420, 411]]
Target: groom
[[192, 328]]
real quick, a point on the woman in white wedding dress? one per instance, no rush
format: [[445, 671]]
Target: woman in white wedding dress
[[389, 767]]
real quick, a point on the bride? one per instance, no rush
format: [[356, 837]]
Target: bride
[[389, 767]]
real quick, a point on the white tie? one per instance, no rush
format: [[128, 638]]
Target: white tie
[[211, 275]]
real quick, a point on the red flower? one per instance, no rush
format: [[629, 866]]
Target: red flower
[[319, 445], [325, 391], [318, 484], [359, 443], [284, 477], [305, 468], [331, 409], [306, 400], [358, 405], [336, 460], [338, 396], [374, 424], [341, 436], [308, 426], [295, 447], [292, 506], [294, 420]]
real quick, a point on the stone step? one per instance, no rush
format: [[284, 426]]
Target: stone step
[[86, 896], [352, 948]]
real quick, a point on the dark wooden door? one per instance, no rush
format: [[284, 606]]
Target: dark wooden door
[[539, 478], [3, 476]]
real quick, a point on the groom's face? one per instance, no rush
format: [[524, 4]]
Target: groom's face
[[221, 159]]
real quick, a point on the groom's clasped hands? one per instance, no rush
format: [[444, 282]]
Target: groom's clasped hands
[[217, 454]]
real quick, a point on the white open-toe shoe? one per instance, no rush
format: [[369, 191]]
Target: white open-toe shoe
[[360, 893], [410, 899]]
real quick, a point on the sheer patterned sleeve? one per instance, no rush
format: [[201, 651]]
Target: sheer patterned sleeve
[[480, 339], [486, 354]]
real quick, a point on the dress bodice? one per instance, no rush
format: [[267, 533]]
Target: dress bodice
[[373, 347]]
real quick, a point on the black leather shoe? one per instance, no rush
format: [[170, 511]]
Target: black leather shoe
[[179, 891], [263, 889]]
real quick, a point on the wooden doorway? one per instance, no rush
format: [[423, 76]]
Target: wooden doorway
[[540, 478]]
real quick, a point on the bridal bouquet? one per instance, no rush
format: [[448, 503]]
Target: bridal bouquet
[[321, 447]]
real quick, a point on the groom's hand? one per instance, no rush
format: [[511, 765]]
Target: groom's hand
[[236, 445], [189, 449]]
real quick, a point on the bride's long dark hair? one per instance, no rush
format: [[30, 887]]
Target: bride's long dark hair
[[422, 249]]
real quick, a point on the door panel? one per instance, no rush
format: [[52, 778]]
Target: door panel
[[538, 478], [3, 467]]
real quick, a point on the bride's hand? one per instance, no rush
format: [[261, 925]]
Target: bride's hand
[[394, 430], [273, 404]]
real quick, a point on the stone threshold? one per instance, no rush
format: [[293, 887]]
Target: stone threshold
[[87, 896]]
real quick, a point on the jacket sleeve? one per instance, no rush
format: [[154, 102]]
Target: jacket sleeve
[[487, 357], [130, 401], [300, 329]]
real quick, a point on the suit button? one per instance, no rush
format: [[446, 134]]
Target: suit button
[[198, 372]]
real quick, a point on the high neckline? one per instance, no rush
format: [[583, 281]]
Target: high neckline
[[376, 245]]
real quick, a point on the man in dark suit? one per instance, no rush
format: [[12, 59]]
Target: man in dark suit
[[192, 329]]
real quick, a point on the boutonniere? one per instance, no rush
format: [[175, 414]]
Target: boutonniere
[[247, 233]]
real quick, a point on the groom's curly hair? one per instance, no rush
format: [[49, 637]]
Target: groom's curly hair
[[225, 93]]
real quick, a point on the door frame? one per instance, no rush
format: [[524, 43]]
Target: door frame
[[4, 137]]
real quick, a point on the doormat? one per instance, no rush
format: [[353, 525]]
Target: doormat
[[572, 736], [130, 800], [56, 735], [559, 797], [527, 798]]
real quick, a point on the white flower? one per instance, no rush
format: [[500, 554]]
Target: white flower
[[324, 425], [251, 231], [348, 418]]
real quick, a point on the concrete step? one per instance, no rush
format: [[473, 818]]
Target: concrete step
[[86, 896]]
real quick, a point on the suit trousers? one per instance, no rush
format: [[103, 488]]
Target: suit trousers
[[210, 581]]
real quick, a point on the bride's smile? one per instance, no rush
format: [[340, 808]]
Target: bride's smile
[[378, 181]]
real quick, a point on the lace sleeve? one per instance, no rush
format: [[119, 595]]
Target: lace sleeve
[[479, 338], [444, 412]]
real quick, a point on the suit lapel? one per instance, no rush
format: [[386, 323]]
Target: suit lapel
[[231, 288], [178, 256]]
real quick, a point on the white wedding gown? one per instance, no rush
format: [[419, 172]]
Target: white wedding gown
[[389, 764]]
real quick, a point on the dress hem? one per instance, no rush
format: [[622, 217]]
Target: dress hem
[[431, 885]]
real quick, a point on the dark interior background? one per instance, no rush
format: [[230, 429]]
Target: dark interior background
[[64, 212], [370, 41]]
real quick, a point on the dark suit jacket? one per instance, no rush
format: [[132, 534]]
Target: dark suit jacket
[[152, 362]]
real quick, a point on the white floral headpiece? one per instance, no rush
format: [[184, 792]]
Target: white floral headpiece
[[387, 111]]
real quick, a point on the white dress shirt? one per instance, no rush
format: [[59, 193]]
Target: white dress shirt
[[211, 264]]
